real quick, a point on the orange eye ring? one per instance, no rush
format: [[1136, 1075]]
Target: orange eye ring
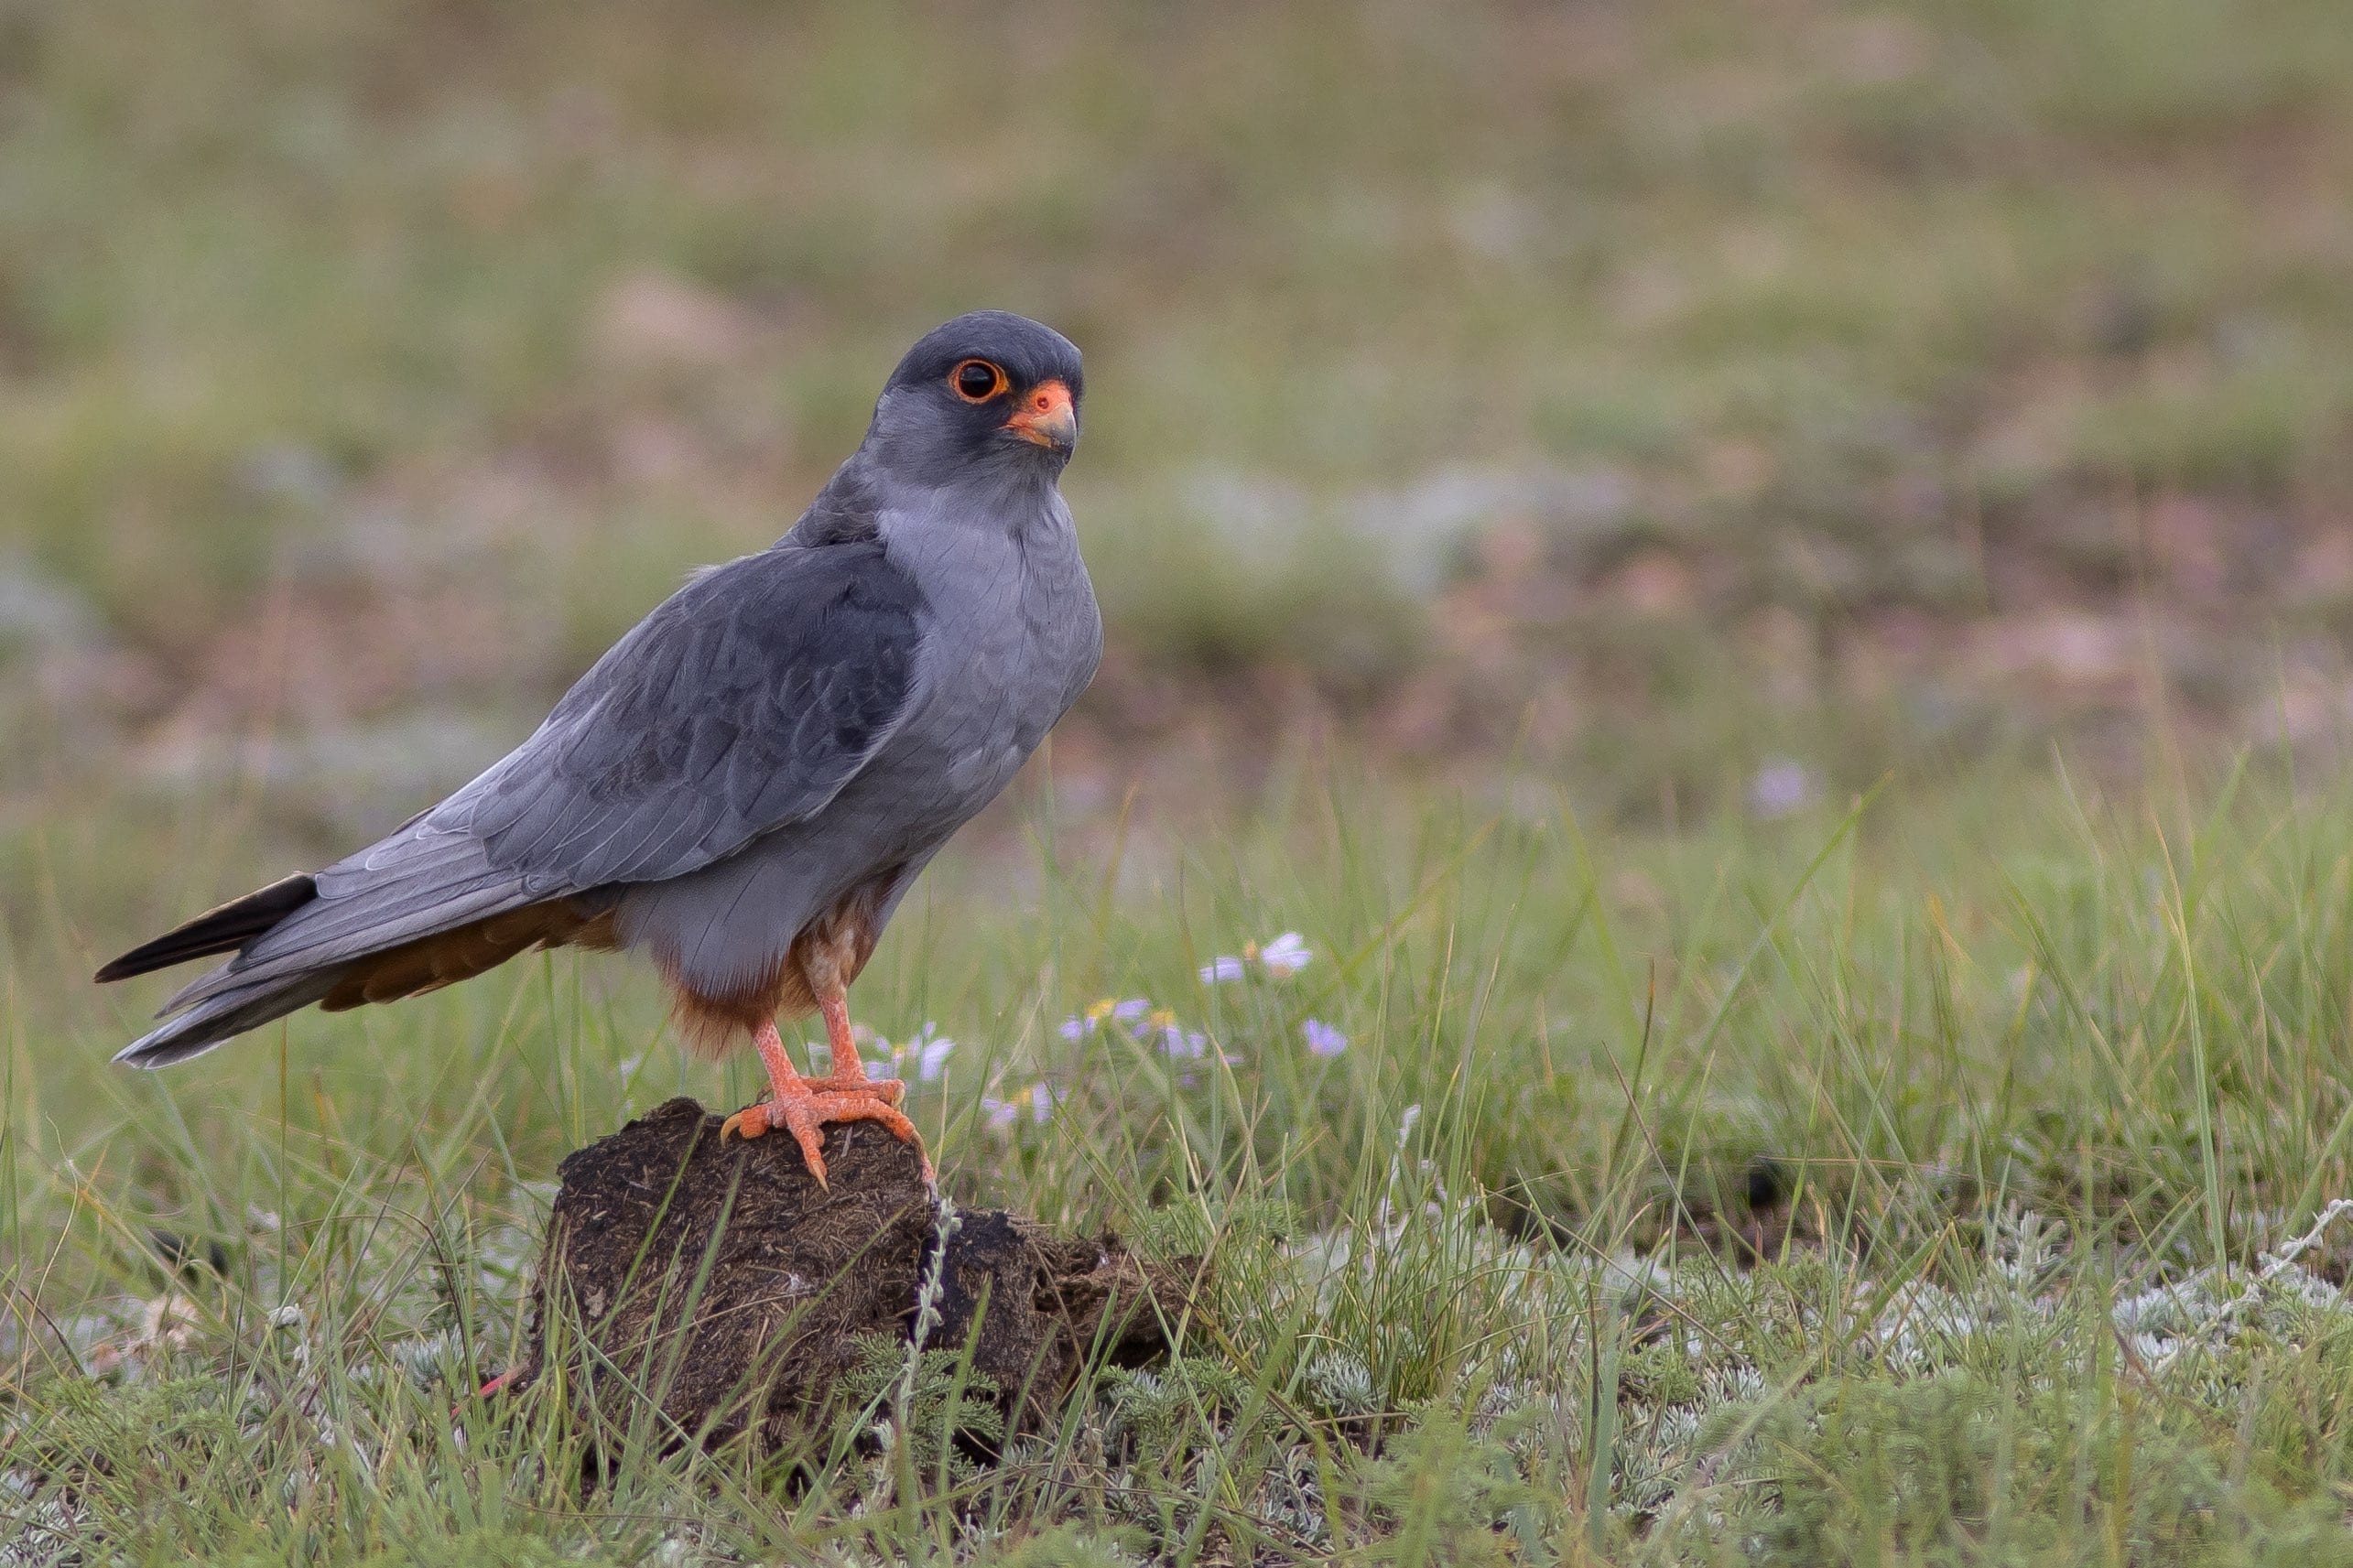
[[977, 381]]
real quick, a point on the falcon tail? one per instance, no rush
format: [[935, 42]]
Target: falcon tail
[[227, 929], [221, 1017], [222, 930]]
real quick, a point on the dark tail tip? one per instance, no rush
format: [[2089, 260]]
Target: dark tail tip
[[222, 930]]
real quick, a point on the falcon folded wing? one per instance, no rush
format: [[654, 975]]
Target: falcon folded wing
[[744, 702]]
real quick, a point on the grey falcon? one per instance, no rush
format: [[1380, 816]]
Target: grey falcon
[[746, 785]]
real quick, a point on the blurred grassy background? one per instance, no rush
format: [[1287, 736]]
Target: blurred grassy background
[[1705, 407], [1631, 361]]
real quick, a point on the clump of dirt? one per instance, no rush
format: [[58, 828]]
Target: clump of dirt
[[1036, 1306], [719, 1285]]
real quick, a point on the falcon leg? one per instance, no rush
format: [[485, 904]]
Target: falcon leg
[[849, 1075], [802, 1107]]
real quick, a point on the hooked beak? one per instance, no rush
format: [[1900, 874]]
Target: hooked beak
[[1047, 418]]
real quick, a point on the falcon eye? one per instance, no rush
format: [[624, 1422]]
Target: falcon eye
[[977, 381]]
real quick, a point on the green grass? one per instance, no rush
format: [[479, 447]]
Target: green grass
[[2035, 1081]]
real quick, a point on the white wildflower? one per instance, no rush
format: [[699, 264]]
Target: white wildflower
[[1280, 960]]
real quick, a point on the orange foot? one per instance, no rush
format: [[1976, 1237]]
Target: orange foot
[[889, 1091], [806, 1110]]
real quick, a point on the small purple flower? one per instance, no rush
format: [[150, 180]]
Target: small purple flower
[[1111, 1008], [1323, 1040], [928, 1051], [1280, 960], [931, 1055], [1780, 788], [1036, 1102], [1176, 1040]]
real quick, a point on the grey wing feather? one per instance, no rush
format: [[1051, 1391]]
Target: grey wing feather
[[744, 702]]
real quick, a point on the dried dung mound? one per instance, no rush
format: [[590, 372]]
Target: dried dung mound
[[720, 1284]]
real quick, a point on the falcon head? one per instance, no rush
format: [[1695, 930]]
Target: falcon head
[[988, 391]]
